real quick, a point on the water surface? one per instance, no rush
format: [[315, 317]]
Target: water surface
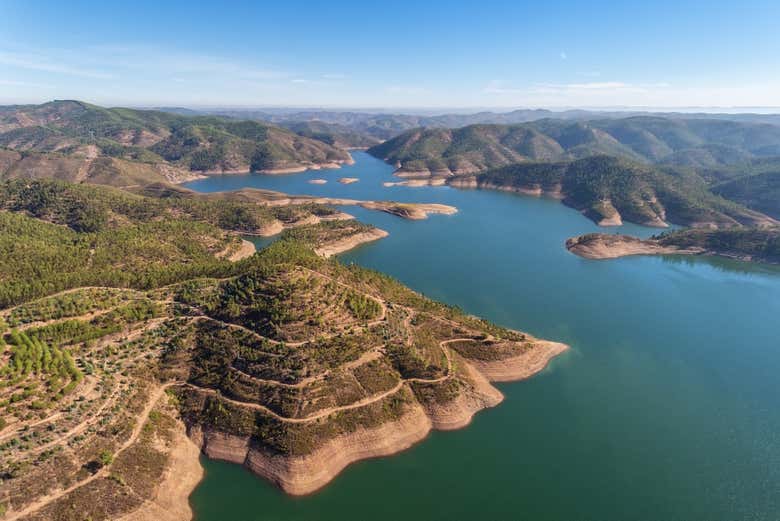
[[666, 407]]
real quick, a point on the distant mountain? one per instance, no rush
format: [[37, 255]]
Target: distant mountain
[[466, 150], [154, 141], [384, 125], [694, 142], [612, 190], [333, 134]]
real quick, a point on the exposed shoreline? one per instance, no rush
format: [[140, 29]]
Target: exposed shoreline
[[292, 169], [600, 246], [605, 246], [182, 475], [305, 474], [340, 246]]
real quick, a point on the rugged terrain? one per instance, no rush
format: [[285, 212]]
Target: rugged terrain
[[76, 141], [646, 139], [126, 319]]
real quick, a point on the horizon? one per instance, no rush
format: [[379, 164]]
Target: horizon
[[560, 56], [431, 111]]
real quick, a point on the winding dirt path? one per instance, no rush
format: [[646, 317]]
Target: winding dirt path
[[331, 410], [105, 471]]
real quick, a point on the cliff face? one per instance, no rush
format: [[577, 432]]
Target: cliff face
[[296, 399], [304, 474]]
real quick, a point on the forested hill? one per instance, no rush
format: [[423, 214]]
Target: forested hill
[[474, 148], [612, 190], [156, 140]]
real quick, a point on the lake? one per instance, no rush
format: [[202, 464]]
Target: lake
[[665, 407]]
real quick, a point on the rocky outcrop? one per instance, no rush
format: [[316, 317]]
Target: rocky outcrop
[[304, 474], [299, 475]]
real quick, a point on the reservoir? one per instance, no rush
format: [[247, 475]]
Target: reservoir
[[665, 407]]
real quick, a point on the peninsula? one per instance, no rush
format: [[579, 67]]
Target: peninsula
[[140, 329], [758, 245]]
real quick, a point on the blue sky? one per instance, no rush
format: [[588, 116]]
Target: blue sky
[[392, 54]]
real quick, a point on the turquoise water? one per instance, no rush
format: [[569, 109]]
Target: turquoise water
[[666, 407]]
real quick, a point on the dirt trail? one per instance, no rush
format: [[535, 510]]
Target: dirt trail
[[105, 471], [331, 410]]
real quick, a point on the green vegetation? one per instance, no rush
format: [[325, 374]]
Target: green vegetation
[[758, 191], [53, 258], [86, 208], [648, 139], [325, 232], [143, 146], [605, 187], [331, 133], [756, 244]]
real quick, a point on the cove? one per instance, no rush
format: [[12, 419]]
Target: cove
[[665, 407]]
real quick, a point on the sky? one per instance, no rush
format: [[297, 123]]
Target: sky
[[410, 54]]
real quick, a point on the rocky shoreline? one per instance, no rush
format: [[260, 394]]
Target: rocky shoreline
[[305, 474]]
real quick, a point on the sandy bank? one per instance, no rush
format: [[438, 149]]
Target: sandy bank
[[247, 249], [346, 244], [413, 211], [317, 181], [523, 366], [348, 180]]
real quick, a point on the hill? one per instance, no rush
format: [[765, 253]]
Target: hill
[[471, 149], [756, 184], [331, 133], [159, 140], [609, 190], [466, 150], [124, 325]]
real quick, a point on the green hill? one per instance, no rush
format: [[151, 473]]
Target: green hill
[[648, 139], [159, 140], [610, 190], [759, 191], [466, 150], [331, 133]]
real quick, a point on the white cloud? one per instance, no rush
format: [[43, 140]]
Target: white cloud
[[13, 83], [42, 63]]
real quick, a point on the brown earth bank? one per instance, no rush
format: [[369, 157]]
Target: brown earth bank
[[749, 245], [348, 243], [607, 246], [183, 473], [305, 474], [413, 211]]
